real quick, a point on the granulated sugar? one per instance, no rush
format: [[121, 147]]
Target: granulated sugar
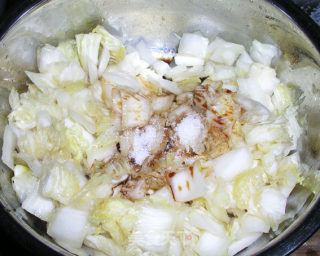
[[142, 143], [189, 131]]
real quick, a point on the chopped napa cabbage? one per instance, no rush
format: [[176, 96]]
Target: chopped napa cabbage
[[223, 73], [264, 133], [186, 78], [103, 147], [67, 73], [293, 127], [255, 112], [243, 64], [185, 98], [128, 155], [157, 81], [69, 226], [230, 87], [182, 60], [162, 103], [243, 232], [263, 53], [25, 116], [99, 253], [122, 80], [259, 85], [193, 44], [34, 164], [78, 139], [114, 45], [272, 153], [63, 100], [217, 201], [192, 50], [14, 99], [92, 71], [210, 244], [287, 174], [202, 220], [153, 229], [223, 196], [48, 55], [88, 50], [145, 52], [9, 144], [43, 142], [187, 185], [254, 224], [163, 197], [209, 68], [104, 244], [79, 98], [272, 204], [242, 243], [103, 62], [43, 119], [189, 84], [97, 91], [166, 85], [117, 217], [62, 183], [83, 120], [224, 52], [99, 186], [24, 182], [175, 246], [231, 164], [249, 88], [44, 82], [282, 98], [264, 76], [39, 206], [136, 110], [181, 73], [96, 111], [69, 50], [246, 187], [160, 67], [132, 64]]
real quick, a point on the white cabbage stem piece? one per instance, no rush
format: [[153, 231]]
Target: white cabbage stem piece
[[187, 185], [231, 164], [69, 226]]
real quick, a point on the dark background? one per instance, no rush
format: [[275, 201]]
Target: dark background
[[8, 246]]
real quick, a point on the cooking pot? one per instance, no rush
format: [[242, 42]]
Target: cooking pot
[[239, 21]]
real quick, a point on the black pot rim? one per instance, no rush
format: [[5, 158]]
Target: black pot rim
[[12, 16], [309, 225], [310, 28]]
